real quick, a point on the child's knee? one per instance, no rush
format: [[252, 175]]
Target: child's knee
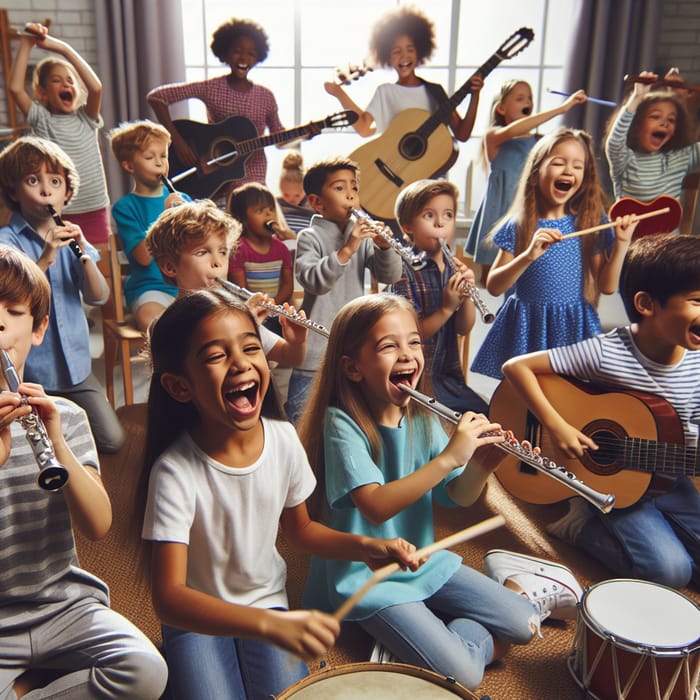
[[141, 673]]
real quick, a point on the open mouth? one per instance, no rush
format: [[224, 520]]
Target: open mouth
[[527, 111], [244, 397], [695, 335], [242, 66], [403, 377], [658, 138], [66, 95], [563, 185]]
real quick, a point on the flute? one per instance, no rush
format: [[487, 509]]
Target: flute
[[72, 243], [468, 289], [52, 475], [408, 254], [275, 309], [602, 501]]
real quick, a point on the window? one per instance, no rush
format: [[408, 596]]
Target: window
[[309, 38]]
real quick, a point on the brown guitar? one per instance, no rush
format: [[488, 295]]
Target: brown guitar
[[639, 435]]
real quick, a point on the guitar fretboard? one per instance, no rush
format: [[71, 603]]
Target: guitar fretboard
[[668, 457]]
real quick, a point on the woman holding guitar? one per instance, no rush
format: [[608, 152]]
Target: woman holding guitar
[[241, 44]]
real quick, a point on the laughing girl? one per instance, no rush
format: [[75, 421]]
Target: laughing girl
[[650, 146], [554, 281], [224, 471]]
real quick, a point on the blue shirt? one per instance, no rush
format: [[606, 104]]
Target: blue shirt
[[134, 215], [349, 465], [63, 358]]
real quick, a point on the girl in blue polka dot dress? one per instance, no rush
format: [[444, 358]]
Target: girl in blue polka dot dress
[[553, 282]]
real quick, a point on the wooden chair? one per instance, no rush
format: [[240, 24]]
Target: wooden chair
[[691, 189], [119, 333]]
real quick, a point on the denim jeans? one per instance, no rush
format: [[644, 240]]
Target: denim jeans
[[656, 539], [201, 667], [297, 393], [452, 631]]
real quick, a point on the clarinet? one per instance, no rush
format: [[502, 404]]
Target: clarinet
[[603, 501], [274, 309], [72, 243], [52, 475], [414, 260], [468, 289]]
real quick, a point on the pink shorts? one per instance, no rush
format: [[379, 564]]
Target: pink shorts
[[94, 224]]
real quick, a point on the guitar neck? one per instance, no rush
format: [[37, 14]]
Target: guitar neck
[[667, 457], [254, 144]]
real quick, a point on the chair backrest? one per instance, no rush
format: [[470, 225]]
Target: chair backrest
[[118, 271], [691, 189]]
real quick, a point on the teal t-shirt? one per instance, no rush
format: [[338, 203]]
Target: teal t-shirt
[[349, 465]]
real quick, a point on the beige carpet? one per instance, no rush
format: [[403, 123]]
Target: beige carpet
[[534, 672]]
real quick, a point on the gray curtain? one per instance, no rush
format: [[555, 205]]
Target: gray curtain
[[139, 46]]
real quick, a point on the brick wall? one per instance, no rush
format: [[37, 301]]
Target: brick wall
[[72, 20], [679, 39]]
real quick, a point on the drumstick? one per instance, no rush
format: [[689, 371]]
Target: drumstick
[[637, 217], [380, 574], [596, 100]]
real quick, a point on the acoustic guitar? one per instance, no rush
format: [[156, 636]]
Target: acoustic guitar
[[223, 148], [639, 435], [417, 144]]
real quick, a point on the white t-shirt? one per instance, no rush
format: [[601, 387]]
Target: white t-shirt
[[390, 99], [229, 516]]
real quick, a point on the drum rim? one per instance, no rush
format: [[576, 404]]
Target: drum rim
[[632, 644], [446, 682]]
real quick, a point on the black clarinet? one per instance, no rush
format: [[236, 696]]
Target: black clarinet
[[52, 475], [72, 243]]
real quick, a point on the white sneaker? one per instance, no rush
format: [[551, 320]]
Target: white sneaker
[[551, 587], [381, 655]]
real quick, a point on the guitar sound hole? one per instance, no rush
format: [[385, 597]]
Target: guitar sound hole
[[609, 437], [412, 146]]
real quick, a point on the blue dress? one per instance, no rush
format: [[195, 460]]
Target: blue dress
[[500, 190], [546, 307]]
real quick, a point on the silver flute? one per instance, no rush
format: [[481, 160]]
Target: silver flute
[[52, 475], [274, 309], [413, 258], [603, 501], [468, 289]]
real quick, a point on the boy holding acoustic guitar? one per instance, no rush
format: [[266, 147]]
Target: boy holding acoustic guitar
[[652, 535]]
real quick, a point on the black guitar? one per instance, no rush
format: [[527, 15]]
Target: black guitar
[[223, 148]]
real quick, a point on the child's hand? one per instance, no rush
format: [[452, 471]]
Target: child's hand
[[46, 409], [36, 29], [541, 240], [382, 552], [474, 430], [293, 333], [571, 441], [174, 199], [476, 82], [625, 227], [306, 633], [640, 90], [11, 408], [576, 98], [260, 313], [59, 237]]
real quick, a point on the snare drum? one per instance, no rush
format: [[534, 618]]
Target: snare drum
[[636, 640], [376, 681]]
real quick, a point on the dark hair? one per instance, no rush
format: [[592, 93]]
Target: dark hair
[[228, 32], [22, 280], [318, 173], [249, 195], [662, 265], [406, 20], [332, 388]]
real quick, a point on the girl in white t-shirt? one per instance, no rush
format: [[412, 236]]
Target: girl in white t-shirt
[[224, 472]]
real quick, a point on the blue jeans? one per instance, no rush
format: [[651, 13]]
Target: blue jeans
[[656, 539], [452, 632], [297, 393], [202, 667]]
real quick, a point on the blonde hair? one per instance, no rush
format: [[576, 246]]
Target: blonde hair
[[332, 388], [41, 75], [186, 224], [292, 168], [130, 137], [26, 155]]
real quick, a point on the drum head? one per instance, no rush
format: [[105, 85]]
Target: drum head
[[643, 614], [375, 681]]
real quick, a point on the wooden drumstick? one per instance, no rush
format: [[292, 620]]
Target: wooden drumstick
[[450, 541], [637, 217]]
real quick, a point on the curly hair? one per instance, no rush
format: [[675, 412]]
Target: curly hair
[[233, 29], [683, 133], [403, 21], [130, 137]]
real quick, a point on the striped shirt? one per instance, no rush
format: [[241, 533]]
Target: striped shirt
[[262, 270], [76, 134], [646, 176], [613, 360], [39, 574], [258, 105]]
